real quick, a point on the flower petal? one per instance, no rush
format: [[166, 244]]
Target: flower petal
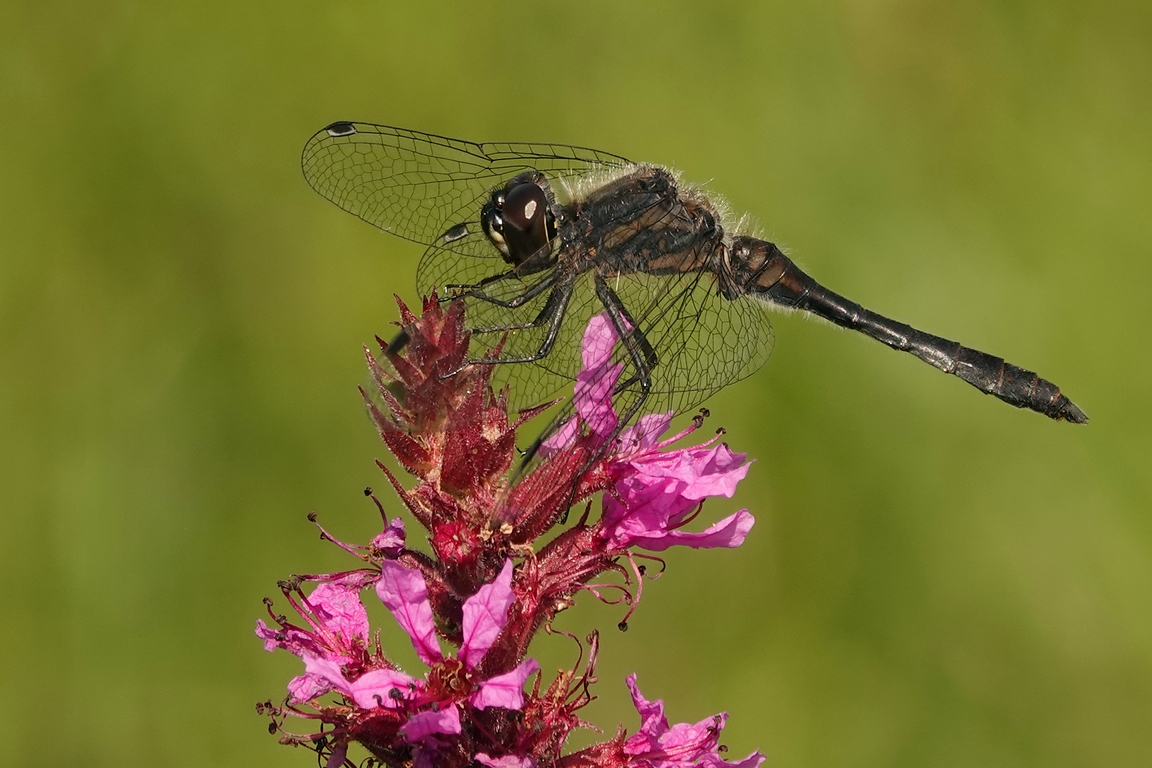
[[599, 339], [597, 378], [711, 471], [383, 688], [506, 690], [340, 611], [391, 541], [562, 438], [405, 594], [593, 396], [752, 761], [293, 640], [646, 432], [328, 670], [271, 637], [653, 724], [484, 616], [727, 533], [338, 755], [424, 724], [505, 761], [306, 687]]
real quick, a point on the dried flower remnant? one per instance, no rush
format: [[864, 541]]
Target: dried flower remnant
[[488, 586]]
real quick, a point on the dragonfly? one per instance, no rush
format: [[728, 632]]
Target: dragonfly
[[538, 238]]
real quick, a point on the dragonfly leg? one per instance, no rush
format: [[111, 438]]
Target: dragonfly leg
[[471, 287], [517, 301], [632, 338], [551, 315], [537, 262]]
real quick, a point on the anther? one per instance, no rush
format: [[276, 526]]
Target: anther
[[312, 517], [622, 626], [368, 491]]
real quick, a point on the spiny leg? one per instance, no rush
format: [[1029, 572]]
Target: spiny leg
[[400, 340], [552, 314], [635, 344], [517, 301]]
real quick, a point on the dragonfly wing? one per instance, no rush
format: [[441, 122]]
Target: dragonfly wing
[[418, 185]]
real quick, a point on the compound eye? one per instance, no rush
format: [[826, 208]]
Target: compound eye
[[525, 206]]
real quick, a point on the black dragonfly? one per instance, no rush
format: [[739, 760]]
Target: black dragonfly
[[538, 238]]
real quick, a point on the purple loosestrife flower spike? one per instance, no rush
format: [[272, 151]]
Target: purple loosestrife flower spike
[[489, 584]]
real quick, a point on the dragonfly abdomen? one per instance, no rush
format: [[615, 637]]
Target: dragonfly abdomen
[[760, 269]]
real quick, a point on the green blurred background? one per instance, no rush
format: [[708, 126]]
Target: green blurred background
[[935, 578]]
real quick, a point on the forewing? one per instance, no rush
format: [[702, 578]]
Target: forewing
[[419, 185]]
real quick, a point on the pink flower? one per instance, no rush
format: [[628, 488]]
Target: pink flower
[[434, 703], [338, 631], [659, 491], [391, 541], [655, 491], [657, 745], [338, 624]]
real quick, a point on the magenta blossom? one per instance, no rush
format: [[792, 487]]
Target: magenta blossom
[[337, 622], [658, 491], [658, 745], [655, 491], [434, 704]]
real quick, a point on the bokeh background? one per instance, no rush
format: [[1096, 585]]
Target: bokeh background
[[935, 578]]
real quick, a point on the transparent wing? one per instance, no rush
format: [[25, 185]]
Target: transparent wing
[[702, 341], [419, 185]]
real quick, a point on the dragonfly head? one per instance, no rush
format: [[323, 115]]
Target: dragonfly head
[[519, 218]]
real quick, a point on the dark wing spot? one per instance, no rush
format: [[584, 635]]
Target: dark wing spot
[[455, 233], [341, 128]]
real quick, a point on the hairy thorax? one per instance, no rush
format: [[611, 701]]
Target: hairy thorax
[[641, 221]]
